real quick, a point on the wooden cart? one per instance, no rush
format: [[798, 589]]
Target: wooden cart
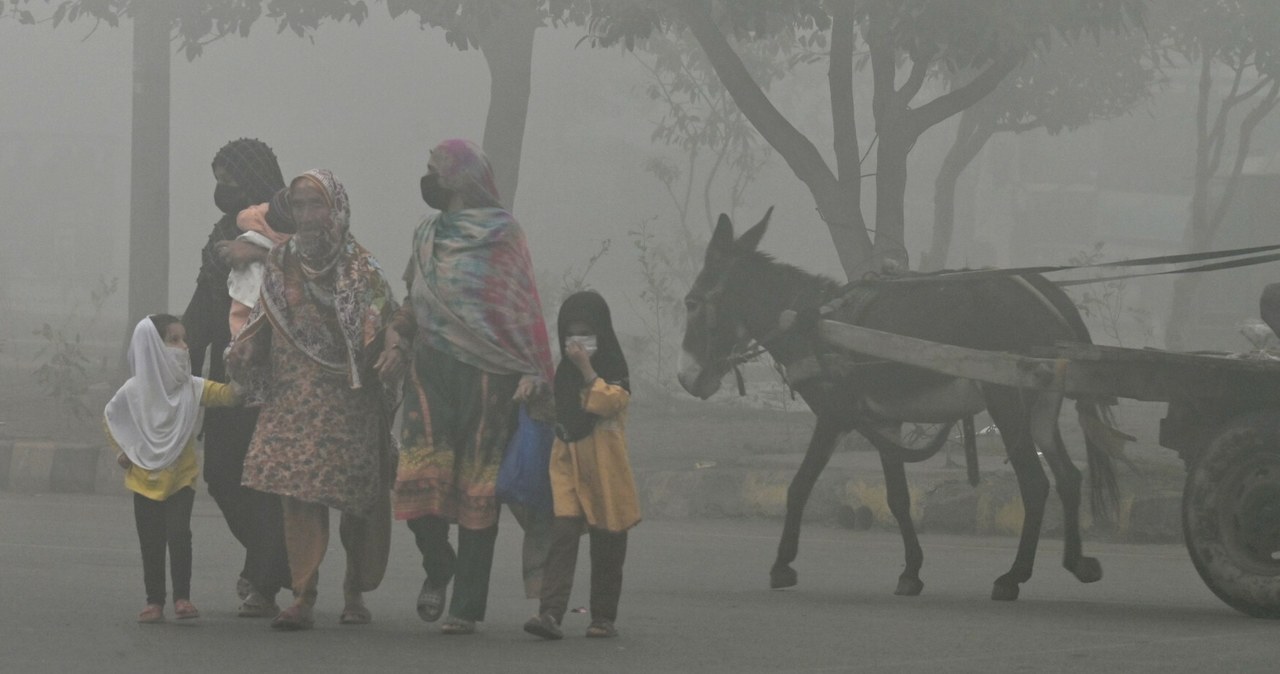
[[1223, 419]]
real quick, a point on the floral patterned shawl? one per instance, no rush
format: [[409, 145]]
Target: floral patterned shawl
[[346, 277], [471, 280]]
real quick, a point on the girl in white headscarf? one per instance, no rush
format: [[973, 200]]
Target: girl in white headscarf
[[151, 421]]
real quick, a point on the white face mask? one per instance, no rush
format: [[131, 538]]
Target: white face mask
[[181, 359], [587, 342]]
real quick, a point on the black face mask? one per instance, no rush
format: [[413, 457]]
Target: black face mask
[[436, 196], [228, 199]]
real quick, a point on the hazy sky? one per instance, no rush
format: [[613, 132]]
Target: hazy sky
[[367, 102]]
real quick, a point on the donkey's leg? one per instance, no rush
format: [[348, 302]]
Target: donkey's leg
[[823, 442], [1010, 415], [899, 498], [1067, 478]]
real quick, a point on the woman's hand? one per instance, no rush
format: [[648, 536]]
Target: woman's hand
[[581, 358], [239, 254], [527, 388], [393, 360]]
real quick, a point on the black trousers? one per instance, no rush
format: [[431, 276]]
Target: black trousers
[[608, 552], [469, 567], [165, 524], [256, 520], [253, 517]]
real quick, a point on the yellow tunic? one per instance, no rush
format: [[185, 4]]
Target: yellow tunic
[[592, 477], [159, 485]]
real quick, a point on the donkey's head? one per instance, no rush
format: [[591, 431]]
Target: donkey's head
[[716, 307]]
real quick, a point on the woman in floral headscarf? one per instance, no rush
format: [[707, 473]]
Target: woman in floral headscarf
[[323, 438], [473, 326]]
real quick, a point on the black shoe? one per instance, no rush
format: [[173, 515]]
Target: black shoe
[[431, 602], [543, 626]]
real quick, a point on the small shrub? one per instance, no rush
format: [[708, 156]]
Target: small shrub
[[63, 368]]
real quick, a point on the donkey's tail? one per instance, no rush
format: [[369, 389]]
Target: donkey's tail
[[1103, 443]]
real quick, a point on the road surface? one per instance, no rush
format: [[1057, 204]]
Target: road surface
[[695, 599]]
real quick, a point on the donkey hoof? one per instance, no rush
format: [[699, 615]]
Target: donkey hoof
[[1004, 592], [783, 576], [1088, 570], [909, 587]]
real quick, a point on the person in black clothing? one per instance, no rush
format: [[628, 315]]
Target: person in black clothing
[[247, 173]]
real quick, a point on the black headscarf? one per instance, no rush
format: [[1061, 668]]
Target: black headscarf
[[572, 421], [253, 166]]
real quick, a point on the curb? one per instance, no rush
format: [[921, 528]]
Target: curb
[[857, 501], [848, 498], [41, 466]]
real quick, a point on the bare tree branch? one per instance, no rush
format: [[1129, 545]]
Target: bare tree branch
[[952, 102], [1247, 126], [919, 68], [796, 149]]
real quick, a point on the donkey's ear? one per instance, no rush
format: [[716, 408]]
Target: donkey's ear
[[721, 237], [750, 239]]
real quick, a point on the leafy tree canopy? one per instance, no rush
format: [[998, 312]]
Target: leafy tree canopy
[[1238, 33], [957, 33], [1073, 84], [198, 22], [465, 21]]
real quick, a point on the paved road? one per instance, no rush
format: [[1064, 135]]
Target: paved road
[[695, 600]]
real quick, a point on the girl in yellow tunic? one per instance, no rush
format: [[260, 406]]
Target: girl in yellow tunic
[[591, 480], [151, 422]]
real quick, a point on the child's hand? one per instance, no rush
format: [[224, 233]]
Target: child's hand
[[240, 354], [581, 358], [123, 461], [527, 388], [239, 254]]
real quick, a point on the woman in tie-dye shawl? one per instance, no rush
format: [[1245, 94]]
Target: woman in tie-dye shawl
[[323, 438], [479, 348]]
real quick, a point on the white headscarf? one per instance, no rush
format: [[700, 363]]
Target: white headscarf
[[153, 415]]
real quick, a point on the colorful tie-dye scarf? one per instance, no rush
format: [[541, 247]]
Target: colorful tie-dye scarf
[[471, 279], [474, 294]]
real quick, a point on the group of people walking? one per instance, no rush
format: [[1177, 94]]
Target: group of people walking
[[320, 355]]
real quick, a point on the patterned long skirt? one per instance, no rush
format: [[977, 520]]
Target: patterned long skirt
[[318, 440], [457, 422]]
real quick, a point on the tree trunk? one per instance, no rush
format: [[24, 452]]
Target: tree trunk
[[840, 208], [1184, 286], [149, 163], [1206, 220], [507, 46], [971, 137], [891, 194]]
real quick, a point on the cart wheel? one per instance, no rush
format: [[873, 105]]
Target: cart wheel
[[1231, 514]]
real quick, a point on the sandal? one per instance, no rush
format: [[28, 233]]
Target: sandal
[[183, 609], [153, 613], [243, 588], [293, 619], [456, 625], [602, 629], [431, 601], [355, 614], [544, 626]]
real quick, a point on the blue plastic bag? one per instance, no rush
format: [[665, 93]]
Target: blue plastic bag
[[525, 476]]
